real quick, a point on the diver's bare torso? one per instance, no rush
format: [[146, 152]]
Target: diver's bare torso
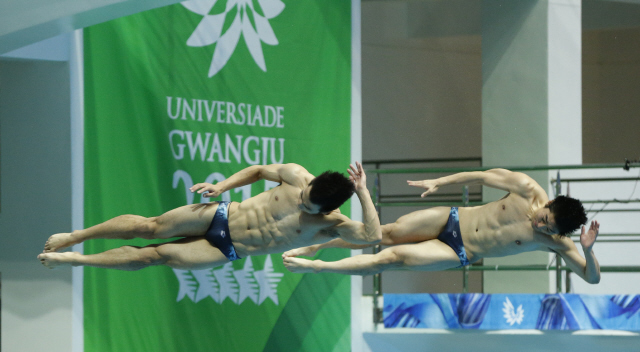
[[272, 222], [503, 227]]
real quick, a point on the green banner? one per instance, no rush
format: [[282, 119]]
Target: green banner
[[195, 92]]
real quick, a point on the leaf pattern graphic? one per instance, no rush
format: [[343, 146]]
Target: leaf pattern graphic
[[236, 285], [253, 25]]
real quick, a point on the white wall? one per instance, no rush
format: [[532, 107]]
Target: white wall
[[35, 201], [24, 22], [420, 99], [515, 114], [420, 91], [611, 68]]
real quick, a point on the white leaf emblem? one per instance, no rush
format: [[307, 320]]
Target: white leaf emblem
[[228, 287], [268, 281], [224, 282], [246, 282], [252, 24], [512, 315], [207, 286]]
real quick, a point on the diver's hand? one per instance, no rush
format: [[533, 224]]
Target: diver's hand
[[207, 189], [588, 238], [357, 176], [429, 185], [298, 265]]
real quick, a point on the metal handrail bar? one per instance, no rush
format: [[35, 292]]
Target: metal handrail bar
[[459, 204], [427, 204], [618, 234], [434, 204], [435, 195], [604, 240], [603, 179], [539, 267], [512, 168], [542, 267], [407, 161], [612, 210], [614, 200]]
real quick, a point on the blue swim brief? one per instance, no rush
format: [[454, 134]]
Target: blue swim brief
[[218, 233], [451, 236]]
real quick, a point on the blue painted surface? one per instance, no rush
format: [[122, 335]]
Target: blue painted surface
[[512, 311]]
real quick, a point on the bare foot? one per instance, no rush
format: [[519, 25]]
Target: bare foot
[[59, 241], [309, 251], [51, 260], [298, 265]]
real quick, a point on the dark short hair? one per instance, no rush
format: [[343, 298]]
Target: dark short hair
[[330, 190], [569, 214]]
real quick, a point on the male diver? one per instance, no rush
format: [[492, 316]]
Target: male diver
[[301, 211], [441, 238]]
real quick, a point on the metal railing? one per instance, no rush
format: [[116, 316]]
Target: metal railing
[[559, 268]]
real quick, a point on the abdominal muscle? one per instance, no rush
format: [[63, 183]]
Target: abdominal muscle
[[261, 225], [491, 231]]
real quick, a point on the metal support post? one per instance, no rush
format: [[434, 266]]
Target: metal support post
[[558, 274], [558, 257], [377, 278], [465, 269], [465, 279], [377, 292]]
